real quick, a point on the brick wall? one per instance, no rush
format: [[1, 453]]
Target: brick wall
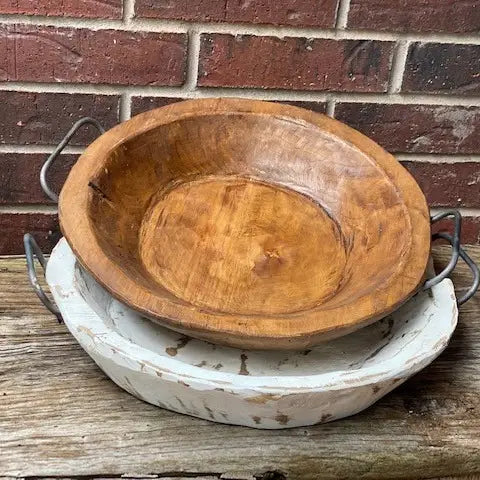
[[405, 72]]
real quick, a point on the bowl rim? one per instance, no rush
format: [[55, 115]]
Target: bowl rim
[[297, 328]]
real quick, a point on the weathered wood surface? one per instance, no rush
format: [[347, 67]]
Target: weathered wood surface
[[61, 417]]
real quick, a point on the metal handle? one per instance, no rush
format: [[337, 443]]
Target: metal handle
[[457, 230], [470, 263], [31, 249], [43, 173]]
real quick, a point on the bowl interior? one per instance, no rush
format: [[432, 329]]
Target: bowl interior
[[249, 214]]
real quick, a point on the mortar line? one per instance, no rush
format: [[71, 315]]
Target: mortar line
[[270, 94], [465, 212], [330, 110], [28, 209], [38, 149], [69, 88], [437, 158], [193, 53], [178, 26], [403, 157], [399, 63], [128, 12], [125, 107], [342, 14]]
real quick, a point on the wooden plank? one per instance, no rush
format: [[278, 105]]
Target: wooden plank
[[268, 476], [60, 416], [274, 475], [147, 477]]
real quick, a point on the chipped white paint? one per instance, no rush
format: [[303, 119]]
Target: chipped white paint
[[257, 389]]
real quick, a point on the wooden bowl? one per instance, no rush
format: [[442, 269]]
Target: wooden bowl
[[272, 389], [247, 223]]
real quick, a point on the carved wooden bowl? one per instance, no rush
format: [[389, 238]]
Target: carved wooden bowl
[[274, 389], [247, 223]]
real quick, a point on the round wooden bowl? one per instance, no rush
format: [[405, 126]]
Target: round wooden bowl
[[247, 223], [272, 389]]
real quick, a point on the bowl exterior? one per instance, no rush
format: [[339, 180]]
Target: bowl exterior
[[258, 402], [247, 407]]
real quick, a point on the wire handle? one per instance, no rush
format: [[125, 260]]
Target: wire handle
[[470, 263], [455, 242], [32, 249], [43, 173], [457, 252]]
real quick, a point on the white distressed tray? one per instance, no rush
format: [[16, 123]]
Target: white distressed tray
[[258, 389]]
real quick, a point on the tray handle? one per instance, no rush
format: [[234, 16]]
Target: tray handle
[[58, 150], [455, 243], [457, 252], [33, 250], [470, 263]]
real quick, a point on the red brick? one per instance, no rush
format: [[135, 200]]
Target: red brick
[[19, 177], [448, 184], [443, 68], [50, 54], [44, 227], [64, 8], [143, 104], [44, 118], [294, 63], [303, 13], [415, 15], [470, 229], [416, 128], [319, 107]]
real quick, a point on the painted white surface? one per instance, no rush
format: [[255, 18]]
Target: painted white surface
[[253, 388]]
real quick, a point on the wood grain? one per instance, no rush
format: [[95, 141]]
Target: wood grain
[[61, 417], [248, 223], [255, 254]]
